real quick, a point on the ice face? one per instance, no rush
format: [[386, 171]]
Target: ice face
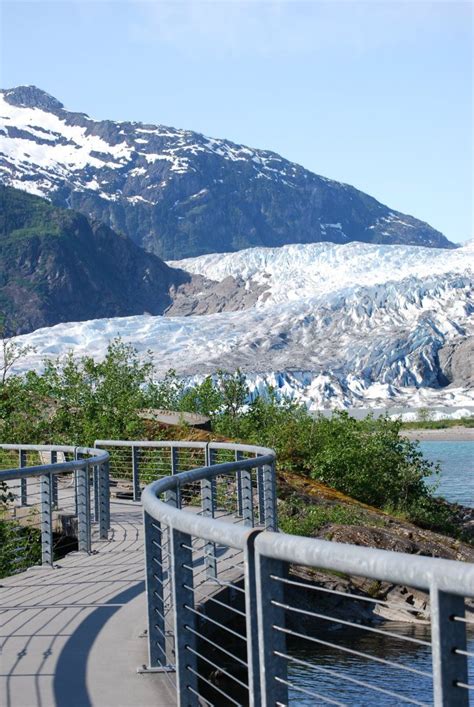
[[341, 325]]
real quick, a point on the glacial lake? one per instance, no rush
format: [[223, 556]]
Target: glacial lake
[[457, 469], [324, 671]]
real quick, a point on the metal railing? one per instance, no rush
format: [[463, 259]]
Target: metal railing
[[238, 614], [52, 497], [137, 463]]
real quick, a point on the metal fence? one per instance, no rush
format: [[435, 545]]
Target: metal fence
[[239, 615], [135, 464], [53, 497]]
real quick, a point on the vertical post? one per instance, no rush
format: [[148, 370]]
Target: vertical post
[[260, 493], [174, 460], [251, 620], [175, 470], [83, 509], [247, 497], [23, 482], [184, 619], [103, 500], [208, 505], [154, 593], [136, 473], [77, 455], [106, 471], [270, 639], [54, 480], [172, 497], [210, 485], [269, 496], [447, 635], [46, 519], [238, 483], [96, 485]]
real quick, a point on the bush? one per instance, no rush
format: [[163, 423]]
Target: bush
[[366, 459], [298, 518], [20, 548], [79, 400]]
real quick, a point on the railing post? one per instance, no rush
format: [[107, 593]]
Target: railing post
[[271, 640], [157, 657], [184, 619], [251, 620], [208, 505], [46, 519], [175, 470], [173, 496], [447, 637], [23, 482], [174, 460], [77, 456], [238, 482], [83, 509], [261, 496], [96, 487], [247, 497], [54, 480], [103, 500], [106, 493], [269, 496], [136, 472]]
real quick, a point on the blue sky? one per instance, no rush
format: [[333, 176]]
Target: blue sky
[[377, 94]]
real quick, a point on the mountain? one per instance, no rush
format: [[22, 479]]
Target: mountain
[[178, 193], [326, 324], [57, 266]]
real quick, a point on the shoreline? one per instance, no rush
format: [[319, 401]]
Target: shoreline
[[448, 434]]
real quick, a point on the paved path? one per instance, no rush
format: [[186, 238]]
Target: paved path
[[70, 637]]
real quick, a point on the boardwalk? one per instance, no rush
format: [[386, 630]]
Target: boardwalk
[[73, 636]]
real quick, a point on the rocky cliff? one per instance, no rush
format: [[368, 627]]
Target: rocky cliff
[[57, 266]]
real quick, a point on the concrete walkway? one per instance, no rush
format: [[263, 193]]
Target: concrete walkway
[[70, 637]]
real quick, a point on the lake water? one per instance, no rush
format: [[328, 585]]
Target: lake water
[[336, 676], [324, 671], [457, 469]]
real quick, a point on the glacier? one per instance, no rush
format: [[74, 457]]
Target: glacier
[[353, 325]]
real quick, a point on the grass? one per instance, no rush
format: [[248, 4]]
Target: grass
[[438, 424], [299, 518]]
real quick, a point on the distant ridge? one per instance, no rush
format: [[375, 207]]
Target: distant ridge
[[181, 194]]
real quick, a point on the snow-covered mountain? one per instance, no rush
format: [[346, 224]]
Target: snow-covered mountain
[[351, 325], [179, 193]]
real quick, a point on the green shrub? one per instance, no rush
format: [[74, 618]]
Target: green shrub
[[20, 547], [298, 518], [76, 401]]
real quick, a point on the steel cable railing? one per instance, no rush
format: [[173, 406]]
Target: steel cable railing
[[247, 618], [237, 613], [51, 498]]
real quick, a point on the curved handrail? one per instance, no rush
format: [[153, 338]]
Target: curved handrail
[[97, 456], [211, 529], [148, 443], [385, 565], [417, 571], [90, 471], [186, 550]]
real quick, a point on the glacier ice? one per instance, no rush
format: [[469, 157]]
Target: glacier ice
[[335, 326]]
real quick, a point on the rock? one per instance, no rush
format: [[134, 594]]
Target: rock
[[456, 362]]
